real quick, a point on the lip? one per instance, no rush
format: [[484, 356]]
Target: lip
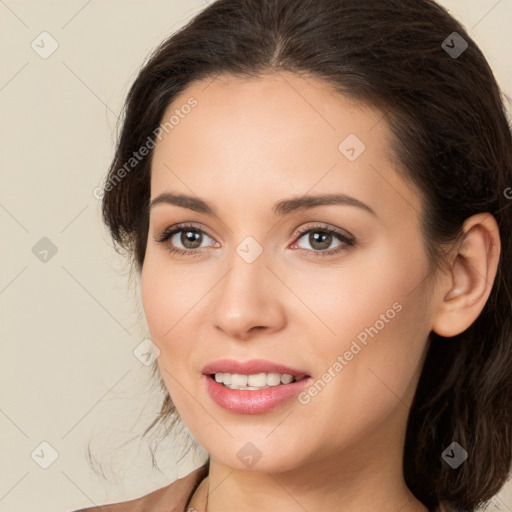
[[253, 401], [250, 367], [243, 401]]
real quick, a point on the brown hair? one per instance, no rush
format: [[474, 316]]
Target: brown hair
[[453, 140]]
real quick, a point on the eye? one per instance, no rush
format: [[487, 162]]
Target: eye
[[320, 239], [190, 237]]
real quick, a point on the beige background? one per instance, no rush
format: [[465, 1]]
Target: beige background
[[68, 374]]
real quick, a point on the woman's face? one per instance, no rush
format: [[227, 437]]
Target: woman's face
[[353, 316]]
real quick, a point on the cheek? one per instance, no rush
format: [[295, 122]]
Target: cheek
[[163, 308], [171, 298], [345, 299], [169, 294], [155, 299], [368, 373], [378, 317]]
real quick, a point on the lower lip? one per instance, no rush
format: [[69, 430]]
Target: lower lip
[[254, 401]]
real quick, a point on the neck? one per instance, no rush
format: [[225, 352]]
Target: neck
[[321, 485]]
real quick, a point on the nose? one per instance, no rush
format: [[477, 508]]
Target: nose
[[248, 300]]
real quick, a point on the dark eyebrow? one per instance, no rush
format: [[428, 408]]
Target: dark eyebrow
[[281, 208], [304, 202]]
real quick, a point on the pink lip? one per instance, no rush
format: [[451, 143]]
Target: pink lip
[[250, 367], [253, 401]]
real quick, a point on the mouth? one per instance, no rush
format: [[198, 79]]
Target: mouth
[[253, 374], [253, 387], [255, 381]]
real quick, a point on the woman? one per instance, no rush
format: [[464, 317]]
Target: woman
[[314, 195]]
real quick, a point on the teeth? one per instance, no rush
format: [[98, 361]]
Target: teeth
[[259, 380], [286, 379], [238, 380], [255, 381]]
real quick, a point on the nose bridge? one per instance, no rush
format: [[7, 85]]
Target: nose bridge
[[247, 276], [246, 297], [247, 258]]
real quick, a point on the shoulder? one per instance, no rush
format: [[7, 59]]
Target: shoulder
[[171, 498]]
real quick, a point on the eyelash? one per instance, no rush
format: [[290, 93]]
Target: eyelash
[[348, 241]]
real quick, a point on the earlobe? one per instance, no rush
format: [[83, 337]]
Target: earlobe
[[472, 276]]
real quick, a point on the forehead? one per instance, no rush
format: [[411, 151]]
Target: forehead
[[275, 136]]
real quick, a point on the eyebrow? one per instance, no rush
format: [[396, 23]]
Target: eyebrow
[[283, 207]]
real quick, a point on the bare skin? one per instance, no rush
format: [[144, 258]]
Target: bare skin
[[246, 145]]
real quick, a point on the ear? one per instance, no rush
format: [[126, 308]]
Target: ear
[[466, 288]]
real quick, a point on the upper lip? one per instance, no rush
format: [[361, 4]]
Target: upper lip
[[250, 367]]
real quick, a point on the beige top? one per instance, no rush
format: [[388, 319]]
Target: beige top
[[174, 497]]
